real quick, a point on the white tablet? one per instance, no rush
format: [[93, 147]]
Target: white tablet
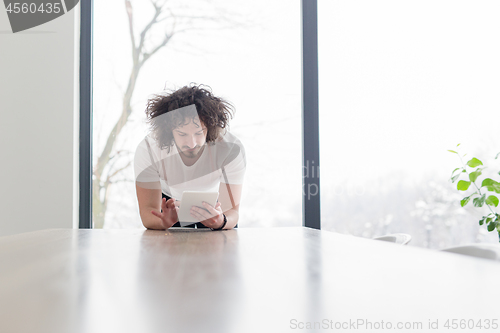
[[194, 198]]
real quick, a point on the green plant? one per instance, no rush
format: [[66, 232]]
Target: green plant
[[482, 194]]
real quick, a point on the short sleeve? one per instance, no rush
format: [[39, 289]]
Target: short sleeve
[[144, 168], [235, 166]]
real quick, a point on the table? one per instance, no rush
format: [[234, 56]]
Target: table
[[244, 280]]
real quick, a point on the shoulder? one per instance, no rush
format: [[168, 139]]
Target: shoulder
[[230, 138], [228, 148], [148, 145], [142, 148], [229, 142]]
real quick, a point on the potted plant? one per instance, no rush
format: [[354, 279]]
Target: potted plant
[[483, 195]]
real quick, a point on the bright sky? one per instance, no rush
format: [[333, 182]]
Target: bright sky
[[403, 81]]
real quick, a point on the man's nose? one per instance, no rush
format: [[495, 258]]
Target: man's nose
[[191, 142]]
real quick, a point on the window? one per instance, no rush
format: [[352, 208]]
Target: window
[[401, 82], [244, 54]]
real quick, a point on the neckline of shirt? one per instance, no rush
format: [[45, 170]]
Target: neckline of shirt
[[176, 152]]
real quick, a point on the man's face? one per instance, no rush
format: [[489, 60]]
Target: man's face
[[190, 137]]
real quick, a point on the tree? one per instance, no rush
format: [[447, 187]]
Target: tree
[[105, 171]]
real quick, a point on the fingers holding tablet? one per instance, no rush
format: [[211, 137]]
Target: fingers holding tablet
[[192, 201]]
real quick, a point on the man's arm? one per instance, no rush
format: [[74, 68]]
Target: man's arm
[[156, 213], [229, 197], [228, 204]]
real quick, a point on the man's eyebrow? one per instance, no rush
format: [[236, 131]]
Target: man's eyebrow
[[201, 130]]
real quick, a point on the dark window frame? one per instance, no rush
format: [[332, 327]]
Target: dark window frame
[[311, 213], [85, 147]]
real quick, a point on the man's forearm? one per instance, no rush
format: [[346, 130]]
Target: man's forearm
[[232, 217], [151, 222]]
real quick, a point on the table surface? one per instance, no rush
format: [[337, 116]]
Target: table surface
[[245, 280]]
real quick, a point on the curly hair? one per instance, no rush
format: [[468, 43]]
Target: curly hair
[[213, 111]]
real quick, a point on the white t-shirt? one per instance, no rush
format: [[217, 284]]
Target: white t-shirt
[[221, 162]]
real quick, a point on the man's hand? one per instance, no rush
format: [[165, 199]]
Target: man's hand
[[211, 217], [168, 216]]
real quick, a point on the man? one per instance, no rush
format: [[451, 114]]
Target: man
[[189, 149]]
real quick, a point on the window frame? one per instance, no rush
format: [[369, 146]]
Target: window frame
[[85, 147]]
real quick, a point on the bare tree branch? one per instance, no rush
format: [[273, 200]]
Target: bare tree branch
[[147, 27], [125, 180], [110, 177], [128, 6], [155, 3], [146, 56], [115, 158]]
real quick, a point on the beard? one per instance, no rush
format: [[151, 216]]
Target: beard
[[190, 154]]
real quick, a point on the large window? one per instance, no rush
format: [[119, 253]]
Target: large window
[[243, 53], [400, 83]]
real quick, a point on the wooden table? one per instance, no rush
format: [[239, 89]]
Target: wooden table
[[245, 280]]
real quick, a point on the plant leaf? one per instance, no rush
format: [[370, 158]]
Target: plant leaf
[[492, 226], [497, 156], [474, 162], [452, 151], [458, 145], [463, 185], [492, 201], [464, 201], [479, 202], [481, 221], [487, 182], [473, 175], [454, 178], [494, 188]]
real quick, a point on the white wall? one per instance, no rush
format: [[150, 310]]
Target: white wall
[[38, 70]]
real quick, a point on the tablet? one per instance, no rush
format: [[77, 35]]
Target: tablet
[[194, 198]]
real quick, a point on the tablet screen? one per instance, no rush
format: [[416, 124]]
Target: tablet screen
[[194, 198]]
